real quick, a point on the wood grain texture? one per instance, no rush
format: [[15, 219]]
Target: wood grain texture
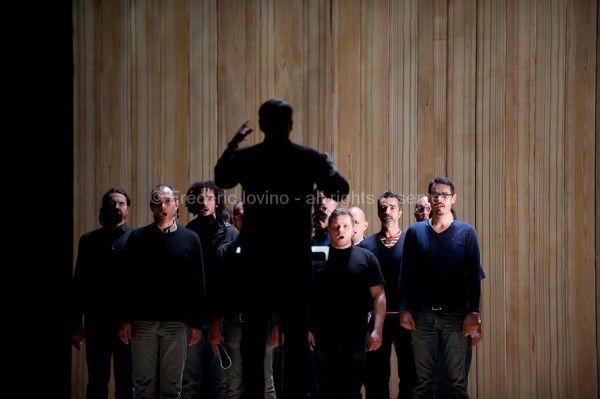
[[402, 112], [580, 109], [203, 141], [499, 95], [519, 198]]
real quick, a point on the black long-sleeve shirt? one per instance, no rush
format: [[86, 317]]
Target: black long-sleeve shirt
[[441, 270], [165, 276], [390, 261], [215, 238], [278, 179], [97, 275]]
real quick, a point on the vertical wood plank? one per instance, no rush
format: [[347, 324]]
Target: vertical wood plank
[[461, 96], [147, 110], [346, 89], [260, 56], [203, 149], [431, 88], [318, 133], [403, 134], [549, 161], [580, 112], [288, 18], [374, 99], [83, 174], [519, 201], [114, 128], [439, 78], [232, 89], [174, 101]]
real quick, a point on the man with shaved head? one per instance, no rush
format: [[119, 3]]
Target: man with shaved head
[[360, 224]]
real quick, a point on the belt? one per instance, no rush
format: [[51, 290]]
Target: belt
[[235, 318], [433, 308], [440, 308]]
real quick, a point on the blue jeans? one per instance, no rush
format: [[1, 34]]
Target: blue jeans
[[159, 350], [440, 387], [232, 332], [101, 346], [339, 363], [269, 380], [438, 339], [200, 359]]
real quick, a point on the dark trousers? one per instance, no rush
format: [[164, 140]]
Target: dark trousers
[[292, 357], [441, 388], [339, 362], [439, 344], [102, 345], [377, 366], [282, 291]]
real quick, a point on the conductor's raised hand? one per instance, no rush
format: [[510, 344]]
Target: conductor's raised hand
[[240, 135]]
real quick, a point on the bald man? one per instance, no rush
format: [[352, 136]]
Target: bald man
[[360, 224], [422, 209]]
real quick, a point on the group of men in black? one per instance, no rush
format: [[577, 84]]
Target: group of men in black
[[161, 297]]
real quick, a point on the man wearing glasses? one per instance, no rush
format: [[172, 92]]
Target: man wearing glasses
[[422, 209], [440, 287]]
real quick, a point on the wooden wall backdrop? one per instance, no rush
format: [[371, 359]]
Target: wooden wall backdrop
[[499, 95]]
